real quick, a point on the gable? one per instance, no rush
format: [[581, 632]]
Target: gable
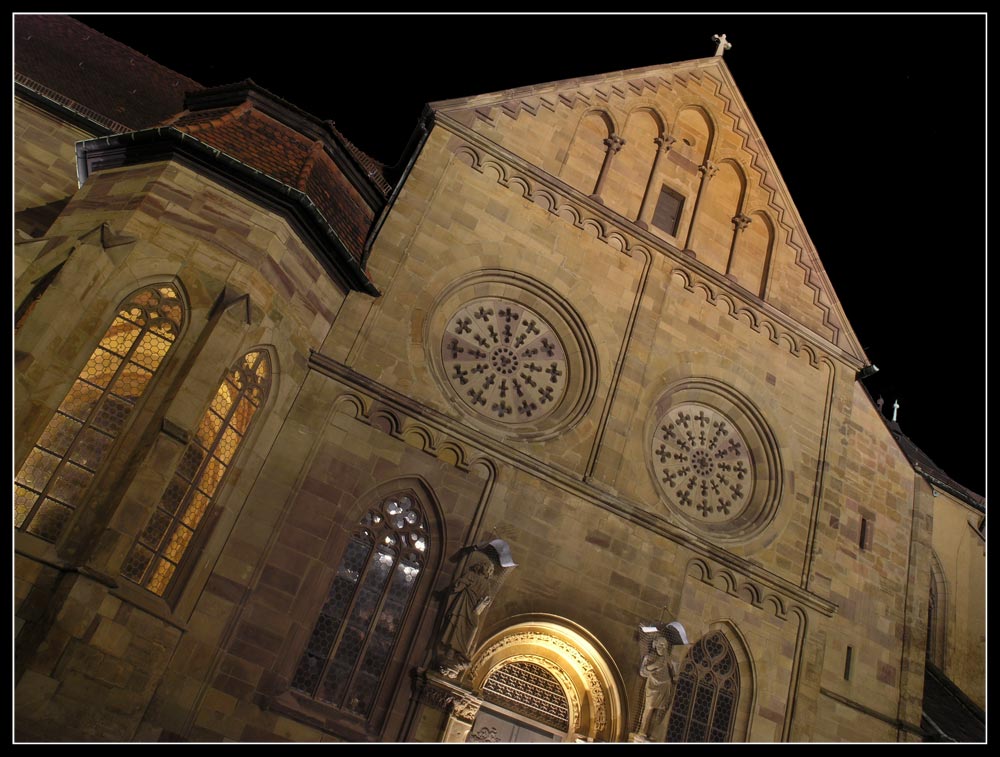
[[681, 132]]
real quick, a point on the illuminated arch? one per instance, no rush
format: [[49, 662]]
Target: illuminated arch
[[588, 679]]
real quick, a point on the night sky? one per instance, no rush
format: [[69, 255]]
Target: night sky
[[876, 123]]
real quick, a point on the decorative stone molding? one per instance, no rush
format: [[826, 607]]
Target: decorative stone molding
[[465, 709], [708, 170], [752, 592], [614, 143], [436, 697], [486, 735], [663, 144], [741, 221], [398, 425]]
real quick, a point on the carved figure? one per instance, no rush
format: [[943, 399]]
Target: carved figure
[[660, 673], [468, 597]]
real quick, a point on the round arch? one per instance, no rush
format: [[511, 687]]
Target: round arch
[[579, 663]]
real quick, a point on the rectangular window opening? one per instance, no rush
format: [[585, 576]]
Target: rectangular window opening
[[667, 214], [848, 659], [864, 540]]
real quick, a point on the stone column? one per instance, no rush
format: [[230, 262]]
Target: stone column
[[740, 222], [663, 145], [614, 143], [708, 170]]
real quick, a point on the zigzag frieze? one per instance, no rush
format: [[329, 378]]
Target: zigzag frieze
[[758, 161], [559, 202], [805, 258]]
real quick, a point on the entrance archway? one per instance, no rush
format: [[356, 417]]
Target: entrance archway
[[545, 679]]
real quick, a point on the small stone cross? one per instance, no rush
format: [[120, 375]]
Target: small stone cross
[[895, 408], [722, 45]]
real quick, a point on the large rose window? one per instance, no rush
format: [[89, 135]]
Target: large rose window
[[504, 361], [702, 462]]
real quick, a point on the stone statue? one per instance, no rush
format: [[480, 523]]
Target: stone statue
[[660, 673], [467, 598]]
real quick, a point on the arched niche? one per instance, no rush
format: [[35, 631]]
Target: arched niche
[[752, 254], [587, 150], [713, 233], [691, 147], [626, 183]]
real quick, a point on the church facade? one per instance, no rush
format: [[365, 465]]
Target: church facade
[[305, 451]]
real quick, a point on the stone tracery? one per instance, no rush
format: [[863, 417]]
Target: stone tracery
[[703, 462], [504, 360]]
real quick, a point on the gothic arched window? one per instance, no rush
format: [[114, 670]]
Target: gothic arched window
[[708, 688], [158, 550], [52, 481], [353, 638]]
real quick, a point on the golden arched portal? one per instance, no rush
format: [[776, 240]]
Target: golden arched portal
[[575, 660]]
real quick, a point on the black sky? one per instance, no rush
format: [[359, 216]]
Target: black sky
[[876, 123]]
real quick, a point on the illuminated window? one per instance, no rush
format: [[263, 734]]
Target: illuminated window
[[52, 481], [352, 641], [708, 688], [157, 552]]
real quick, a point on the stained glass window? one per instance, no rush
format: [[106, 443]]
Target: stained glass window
[[54, 477], [157, 552], [353, 638], [708, 689]]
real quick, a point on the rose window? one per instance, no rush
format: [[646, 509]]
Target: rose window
[[702, 463], [504, 360]]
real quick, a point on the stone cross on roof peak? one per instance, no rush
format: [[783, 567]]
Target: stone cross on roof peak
[[722, 45]]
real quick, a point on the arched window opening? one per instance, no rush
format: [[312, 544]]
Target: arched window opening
[[157, 552], [53, 479], [352, 641], [708, 689]]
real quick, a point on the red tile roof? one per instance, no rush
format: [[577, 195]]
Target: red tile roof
[[254, 127]]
